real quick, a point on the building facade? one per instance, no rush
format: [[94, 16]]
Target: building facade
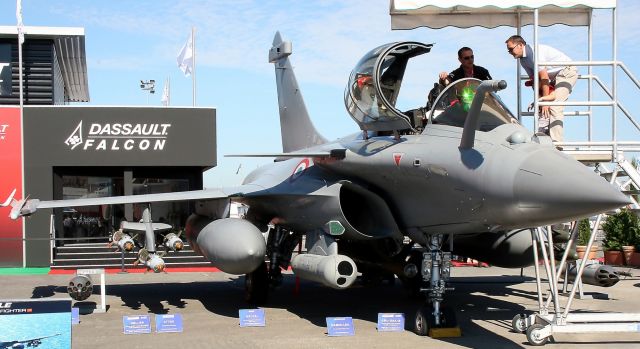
[[50, 150]]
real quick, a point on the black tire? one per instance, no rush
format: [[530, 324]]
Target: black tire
[[533, 335], [519, 323], [424, 321], [256, 285]]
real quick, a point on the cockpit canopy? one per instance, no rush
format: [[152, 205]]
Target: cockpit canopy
[[452, 107], [374, 85], [372, 92]]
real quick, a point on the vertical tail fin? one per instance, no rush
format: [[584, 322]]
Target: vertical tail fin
[[297, 129]]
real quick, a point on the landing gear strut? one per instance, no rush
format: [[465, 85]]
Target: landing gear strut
[[436, 270], [280, 245], [256, 285]]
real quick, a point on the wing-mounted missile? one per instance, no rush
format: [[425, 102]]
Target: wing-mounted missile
[[122, 240], [80, 287], [233, 245], [150, 260], [374, 84], [173, 242], [20, 208], [155, 263]]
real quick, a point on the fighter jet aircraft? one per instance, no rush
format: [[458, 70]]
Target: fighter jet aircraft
[[400, 196], [27, 343]]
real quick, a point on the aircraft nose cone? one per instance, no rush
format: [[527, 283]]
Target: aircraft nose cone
[[550, 187]]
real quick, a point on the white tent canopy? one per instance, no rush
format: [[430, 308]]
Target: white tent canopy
[[410, 14]]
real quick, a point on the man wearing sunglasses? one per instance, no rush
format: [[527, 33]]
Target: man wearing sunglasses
[[563, 78], [466, 70]]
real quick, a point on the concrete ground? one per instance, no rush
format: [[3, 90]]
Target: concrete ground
[[486, 300]]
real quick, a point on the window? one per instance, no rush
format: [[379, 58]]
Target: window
[[174, 213], [91, 223], [5, 69]]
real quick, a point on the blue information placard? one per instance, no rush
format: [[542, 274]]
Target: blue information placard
[[252, 318], [390, 322], [135, 324], [169, 323], [340, 326], [75, 316]]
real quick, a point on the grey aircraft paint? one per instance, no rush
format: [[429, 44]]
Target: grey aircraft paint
[[466, 168]]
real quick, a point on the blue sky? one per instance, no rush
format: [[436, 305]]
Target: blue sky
[[127, 41]]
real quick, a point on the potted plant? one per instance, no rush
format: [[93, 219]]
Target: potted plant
[[621, 229], [584, 233]]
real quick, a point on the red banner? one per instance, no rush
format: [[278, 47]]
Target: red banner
[[11, 178]]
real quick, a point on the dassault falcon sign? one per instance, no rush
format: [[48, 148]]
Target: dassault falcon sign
[[119, 136]]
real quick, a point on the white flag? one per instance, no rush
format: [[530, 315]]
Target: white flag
[[185, 57], [20, 25], [165, 94]]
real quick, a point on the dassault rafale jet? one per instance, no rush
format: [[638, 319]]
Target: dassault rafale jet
[[27, 343], [400, 196]]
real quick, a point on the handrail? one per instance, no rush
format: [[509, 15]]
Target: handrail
[[578, 63], [578, 103], [624, 110], [567, 113], [629, 74], [611, 94], [602, 143]]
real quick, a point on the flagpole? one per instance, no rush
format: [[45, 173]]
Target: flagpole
[[193, 55], [20, 29]]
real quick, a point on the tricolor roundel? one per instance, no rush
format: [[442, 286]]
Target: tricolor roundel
[[300, 168]]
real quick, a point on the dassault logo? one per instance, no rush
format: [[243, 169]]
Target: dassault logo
[[119, 136], [3, 131]]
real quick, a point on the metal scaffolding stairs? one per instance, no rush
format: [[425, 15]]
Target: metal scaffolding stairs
[[608, 159]]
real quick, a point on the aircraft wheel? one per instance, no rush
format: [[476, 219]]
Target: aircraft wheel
[[256, 285], [424, 320], [534, 335], [519, 323]]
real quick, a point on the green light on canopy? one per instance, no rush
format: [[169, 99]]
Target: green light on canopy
[[466, 97]]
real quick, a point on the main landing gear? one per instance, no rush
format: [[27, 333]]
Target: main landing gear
[[280, 245], [436, 270]]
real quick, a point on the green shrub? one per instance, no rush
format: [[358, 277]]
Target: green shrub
[[621, 229], [584, 232]]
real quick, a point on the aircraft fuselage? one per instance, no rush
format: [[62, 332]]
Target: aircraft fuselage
[[431, 185]]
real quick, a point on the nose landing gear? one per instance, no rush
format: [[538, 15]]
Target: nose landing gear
[[436, 270]]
